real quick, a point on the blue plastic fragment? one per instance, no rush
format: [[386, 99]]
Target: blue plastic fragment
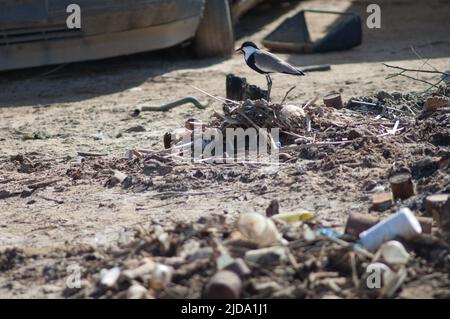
[[329, 232]]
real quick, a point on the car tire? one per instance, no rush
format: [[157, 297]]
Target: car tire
[[215, 34]]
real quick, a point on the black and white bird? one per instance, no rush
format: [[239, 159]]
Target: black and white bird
[[266, 63]]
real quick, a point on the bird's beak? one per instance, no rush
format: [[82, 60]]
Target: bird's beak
[[238, 51]]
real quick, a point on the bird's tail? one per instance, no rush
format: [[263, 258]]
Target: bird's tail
[[300, 72]]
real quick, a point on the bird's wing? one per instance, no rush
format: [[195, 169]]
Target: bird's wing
[[268, 62]]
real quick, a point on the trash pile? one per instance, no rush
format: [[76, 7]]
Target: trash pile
[[393, 151], [393, 254], [312, 124], [287, 255]]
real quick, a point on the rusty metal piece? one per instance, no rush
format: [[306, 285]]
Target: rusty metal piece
[[382, 201], [435, 102], [435, 204], [239, 267], [333, 100], [224, 284], [402, 186]]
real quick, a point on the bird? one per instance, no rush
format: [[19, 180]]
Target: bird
[[266, 63]]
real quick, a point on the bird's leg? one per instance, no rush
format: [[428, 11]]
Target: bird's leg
[[269, 86]]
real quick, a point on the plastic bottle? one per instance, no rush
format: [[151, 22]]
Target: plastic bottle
[[403, 224]]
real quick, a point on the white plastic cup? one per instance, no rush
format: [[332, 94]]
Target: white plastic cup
[[403, 224]]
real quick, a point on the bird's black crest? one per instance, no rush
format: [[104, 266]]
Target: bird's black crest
[[249, 44]]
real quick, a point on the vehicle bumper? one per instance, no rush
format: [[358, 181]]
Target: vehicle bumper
[[84, 48]]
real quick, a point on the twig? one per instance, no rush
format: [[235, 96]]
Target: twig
[[295, 135], [414, 70], [57, 201], [189, 193], [420, 57], [354, 270], [374, 104], [395, 127], [294, 147], [218, 98], [311, 102], [159, 206], [43, 184], [87, 154], [420, 80], [287, 93], [404, 70]]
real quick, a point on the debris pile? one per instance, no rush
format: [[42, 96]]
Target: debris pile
[[289, 255], [390, 152], [293, 255]]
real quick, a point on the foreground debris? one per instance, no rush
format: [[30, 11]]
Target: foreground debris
[[387, 151], [213, 258]]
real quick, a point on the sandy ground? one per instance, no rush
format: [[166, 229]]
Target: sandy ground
[[86, 107]]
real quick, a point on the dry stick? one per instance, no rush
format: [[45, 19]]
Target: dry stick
[[296, 135], [44, 184], [190, 193], [159, 206], [395, 127], [403, 70], [57, 201], [414, 70], [430, 65], [374, 104], [354, 269], [311, 102], [409, 109], [420, 57], [287, 93], [420, 80], [295, 147], [88, 154], [308, 123], [390, 132], [218, 98]]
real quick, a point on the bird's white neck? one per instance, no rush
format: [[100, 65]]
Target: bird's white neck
[[248, 51]]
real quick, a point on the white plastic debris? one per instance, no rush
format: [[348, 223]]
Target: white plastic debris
[[403, 224], [291, 112], [164, 240], [136, 291], [266, 255], [204, 252], [393, 252], [161, 276], [259, 229], [224, 260], [109, 277], [143, 270], [308, 234]]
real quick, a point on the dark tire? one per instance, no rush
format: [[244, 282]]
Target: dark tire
[[215, 34]]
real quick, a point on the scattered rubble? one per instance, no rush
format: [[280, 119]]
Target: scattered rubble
[[176, 266], [393, 150]]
